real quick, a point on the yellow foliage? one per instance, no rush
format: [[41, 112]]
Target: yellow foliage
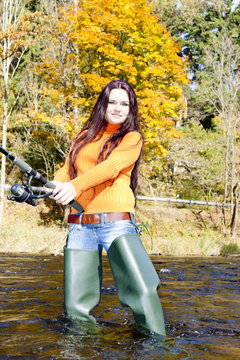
[[95, 42]]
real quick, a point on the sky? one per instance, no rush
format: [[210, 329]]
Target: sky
[[235, 3]]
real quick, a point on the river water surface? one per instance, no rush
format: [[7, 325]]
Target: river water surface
[[200, 299]]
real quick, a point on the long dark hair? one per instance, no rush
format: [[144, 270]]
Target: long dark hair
[[97, 124]]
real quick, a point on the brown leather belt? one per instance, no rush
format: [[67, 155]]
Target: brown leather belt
[[98, 218]]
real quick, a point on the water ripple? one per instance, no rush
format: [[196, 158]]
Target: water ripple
[[200, 299]]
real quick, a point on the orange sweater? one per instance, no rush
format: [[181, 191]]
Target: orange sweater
[[104, 187]]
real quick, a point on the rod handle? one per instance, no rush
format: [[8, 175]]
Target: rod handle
[[74, 204]]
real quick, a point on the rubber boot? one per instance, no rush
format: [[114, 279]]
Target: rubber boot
[[82, 282], [136, 281]]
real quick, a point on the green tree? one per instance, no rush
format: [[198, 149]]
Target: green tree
[[193, 168], [210, 40], [221, 88], [198, 24]]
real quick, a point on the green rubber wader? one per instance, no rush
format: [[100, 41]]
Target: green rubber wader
[[82, 282], [136, 281]]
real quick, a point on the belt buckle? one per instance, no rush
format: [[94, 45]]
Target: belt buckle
[[101, 220]]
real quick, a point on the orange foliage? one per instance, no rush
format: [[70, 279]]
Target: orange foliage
[[17, 37]]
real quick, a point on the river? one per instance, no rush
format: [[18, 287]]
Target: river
[[200, 299]]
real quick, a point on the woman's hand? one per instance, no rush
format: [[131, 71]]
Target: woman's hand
[[63, 193]]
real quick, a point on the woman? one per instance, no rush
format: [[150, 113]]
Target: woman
[[101, 174]]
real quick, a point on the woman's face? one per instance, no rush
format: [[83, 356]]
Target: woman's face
[[118, 106]]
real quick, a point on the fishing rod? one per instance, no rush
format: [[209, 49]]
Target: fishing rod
[[24, 192]]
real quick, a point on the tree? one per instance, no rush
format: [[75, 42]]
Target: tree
[[193, 167], [178, 15], [210, 159], [11, 14], [197, 24], [94, 43], [220, 86], [15, 37]]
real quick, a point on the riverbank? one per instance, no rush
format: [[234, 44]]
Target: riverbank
[[174, 231]]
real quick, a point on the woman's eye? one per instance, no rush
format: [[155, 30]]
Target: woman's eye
[[112, 102]]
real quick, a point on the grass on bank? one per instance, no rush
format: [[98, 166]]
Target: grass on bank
[[185, 231], [23, 231], [175, 231]]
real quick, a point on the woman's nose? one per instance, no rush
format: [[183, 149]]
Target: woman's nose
[[118, 107]]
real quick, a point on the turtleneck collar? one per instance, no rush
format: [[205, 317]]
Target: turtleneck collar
[[111, 128]]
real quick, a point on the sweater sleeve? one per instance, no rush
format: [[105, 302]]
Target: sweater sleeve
[[123, 156]]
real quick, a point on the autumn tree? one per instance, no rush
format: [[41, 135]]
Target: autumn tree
[[93, 43], [9, 18], [19, 30], [31, 136]]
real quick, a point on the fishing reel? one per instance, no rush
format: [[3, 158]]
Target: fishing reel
[[24, 193]]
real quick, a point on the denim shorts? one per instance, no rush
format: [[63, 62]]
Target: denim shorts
[[90, 237]]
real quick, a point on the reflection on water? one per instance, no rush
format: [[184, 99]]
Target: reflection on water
[[200, 299]]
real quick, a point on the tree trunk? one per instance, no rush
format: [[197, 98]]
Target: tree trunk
[[3, 167], [226, 178], [234, 220], [6, 64]]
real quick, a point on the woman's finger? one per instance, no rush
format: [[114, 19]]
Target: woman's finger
[[47, 189]]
